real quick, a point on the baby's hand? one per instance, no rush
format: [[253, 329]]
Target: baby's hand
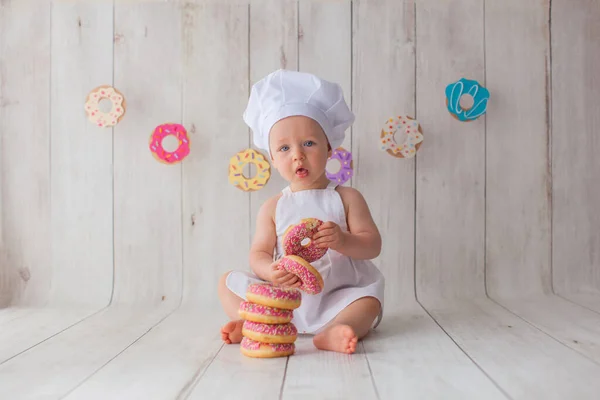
[[329, 235], [280, 277]]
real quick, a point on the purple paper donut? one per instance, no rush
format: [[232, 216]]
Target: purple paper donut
[[346, 172]]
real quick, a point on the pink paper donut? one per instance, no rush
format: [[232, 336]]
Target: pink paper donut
[[312, 281], [268, 295], [252, 348], [296, 234], [267, 333], [265, 314], [158, 151]]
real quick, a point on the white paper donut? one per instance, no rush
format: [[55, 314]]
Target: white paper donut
[[100, 118], [409, 130]]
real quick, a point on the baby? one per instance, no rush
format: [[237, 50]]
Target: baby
[[298, 119]]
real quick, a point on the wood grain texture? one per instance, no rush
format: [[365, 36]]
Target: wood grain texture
[[81, 262], [575, 147], [518, 181], [255, 378], [34, 327], [450, 166], [81, 157], [571, 324], [25, 267], [215, 93], [147, 194], [335, 375], [11, 313], [590, 301], [384, 86], [62, 362], [325, 47], [160, 365], [523, 360], [411, 356], [273, 45]]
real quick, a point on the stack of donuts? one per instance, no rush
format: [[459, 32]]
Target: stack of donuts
[[268, 330]]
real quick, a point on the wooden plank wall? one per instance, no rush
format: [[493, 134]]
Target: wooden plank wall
[[575, 147], [81, 169], [384, 86], [25, 274], [215, 93], [518, 175], [450, 181], [491, 206]]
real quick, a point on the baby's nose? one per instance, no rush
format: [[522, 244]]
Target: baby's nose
[[298, 155]]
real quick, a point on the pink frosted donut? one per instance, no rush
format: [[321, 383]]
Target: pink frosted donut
[[158, 151], [312, 281], [266, 333], [268, 295], [252, 348], [296, 234], [265, 314]]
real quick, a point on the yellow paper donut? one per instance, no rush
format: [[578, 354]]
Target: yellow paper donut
[[236, 168], [411, 133], [98, 117]]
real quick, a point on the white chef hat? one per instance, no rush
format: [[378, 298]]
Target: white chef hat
[[286, 93]]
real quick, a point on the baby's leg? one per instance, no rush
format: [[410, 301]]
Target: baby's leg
[[231, 332], [350, 325]]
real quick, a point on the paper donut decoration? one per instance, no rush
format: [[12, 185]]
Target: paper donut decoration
[[456, 90], [411, 133], [346, 166], [105, 119], [157, 149], [236, 168]]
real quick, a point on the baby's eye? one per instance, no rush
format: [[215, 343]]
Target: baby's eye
[[284, 148], [309, 143]]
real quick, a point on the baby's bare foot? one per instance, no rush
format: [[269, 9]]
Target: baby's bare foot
[[231, 332], [340, 338]]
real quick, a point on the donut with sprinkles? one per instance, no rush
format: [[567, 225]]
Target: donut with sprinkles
[[295, 236], [409, 130], [236, 168], [346, 171], [270, 333], [269, 295], [253, 348], [159, 152], [265, 314], [92, 106], [311, 280]]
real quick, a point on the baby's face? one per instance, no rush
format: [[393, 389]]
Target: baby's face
[[299, 149]]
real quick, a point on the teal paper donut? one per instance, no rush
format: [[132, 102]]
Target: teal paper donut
[[480, 95]]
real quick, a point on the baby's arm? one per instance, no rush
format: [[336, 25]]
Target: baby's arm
[[265, 239], [362, 241], [261, 251]]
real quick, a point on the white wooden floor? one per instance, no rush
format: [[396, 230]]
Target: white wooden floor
[[543, 347]]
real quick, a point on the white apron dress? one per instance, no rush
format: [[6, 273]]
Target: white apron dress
[[346, 279]]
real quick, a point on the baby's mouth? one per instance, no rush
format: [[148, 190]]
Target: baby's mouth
[[302, 172]]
